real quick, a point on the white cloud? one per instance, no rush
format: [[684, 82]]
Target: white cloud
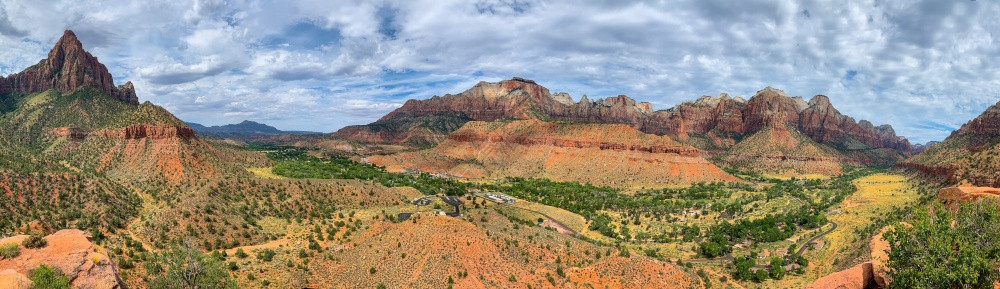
[[313, 64]]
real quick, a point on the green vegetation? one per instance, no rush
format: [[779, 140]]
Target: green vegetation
[[186, 267], [74, 201], [266, 255], [947, 250], [294, 163], [45, 277], [9, 251]]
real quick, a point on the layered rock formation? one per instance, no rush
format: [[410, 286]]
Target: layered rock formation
[[139, 131], [709, 123], [600, 154], [969, 153], [71, 252], [67, 67]]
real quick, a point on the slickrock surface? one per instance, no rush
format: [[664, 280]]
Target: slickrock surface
[[71, 252]]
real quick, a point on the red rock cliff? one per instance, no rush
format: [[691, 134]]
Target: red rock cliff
[[524, 99], [67, 67]]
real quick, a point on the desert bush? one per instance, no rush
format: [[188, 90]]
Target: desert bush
[[266, 255], [186, 267], [46, 277], [34, 241], [9, 251]]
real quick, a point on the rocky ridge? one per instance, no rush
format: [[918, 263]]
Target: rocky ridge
[[967, 154], [708, 123]]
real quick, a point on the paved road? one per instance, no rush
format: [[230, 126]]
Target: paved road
[[729, 256], [806, 245]]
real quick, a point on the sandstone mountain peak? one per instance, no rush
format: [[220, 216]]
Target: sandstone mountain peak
[[800, 103], [67, 67], [563, 98], [820, 100], [987, 123], [770, 91]]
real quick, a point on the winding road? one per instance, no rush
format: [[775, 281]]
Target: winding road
[[729, 256], [806, 245]]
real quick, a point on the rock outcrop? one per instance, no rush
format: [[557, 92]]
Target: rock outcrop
[[871, 274], [857, 277], [10, 279], [156, 132], [964, 193], [67, 67], [69, 251]]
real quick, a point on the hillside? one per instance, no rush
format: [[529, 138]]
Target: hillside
[[64, 114], [600, 154], [713, 124], [73, 152], [970, 153]]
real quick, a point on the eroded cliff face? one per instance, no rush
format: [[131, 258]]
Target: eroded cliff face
[[67, 67], [987, 123], [709, 123], [139, 151]]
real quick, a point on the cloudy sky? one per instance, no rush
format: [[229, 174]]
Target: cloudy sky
[[923, 67]]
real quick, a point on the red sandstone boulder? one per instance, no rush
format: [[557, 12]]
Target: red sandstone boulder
[[71, 252], [857, 277], [10, 279]]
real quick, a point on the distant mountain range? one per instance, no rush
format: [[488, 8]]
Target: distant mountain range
[[244, 129], [769, 132]]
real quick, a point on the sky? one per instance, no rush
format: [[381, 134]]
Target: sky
[[924, 67]]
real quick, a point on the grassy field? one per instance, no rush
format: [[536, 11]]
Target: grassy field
[[876, 194], [265, 173]]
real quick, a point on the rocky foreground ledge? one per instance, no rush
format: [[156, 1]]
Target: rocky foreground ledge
[[70, 251]]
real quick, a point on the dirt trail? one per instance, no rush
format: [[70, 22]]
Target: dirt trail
[[552, 223]]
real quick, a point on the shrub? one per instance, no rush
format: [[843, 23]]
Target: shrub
[[34, 241], [947, 250], [266, 255], [186, 267], [9, 251], [46, 277], [240, 253]]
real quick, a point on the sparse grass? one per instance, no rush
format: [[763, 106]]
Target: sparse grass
[[876, 195]]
